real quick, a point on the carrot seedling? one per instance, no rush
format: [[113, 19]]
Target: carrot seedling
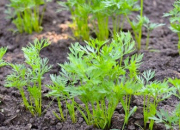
[[93, 74], [128, 88], [58, 91], [100, 15], [2, 52], [154, 92], [137, 26], [170, 120], [150, 27], [177, 113], [176, 83], [28, 78], [137, 29], [174, 15], [117, 11], [80, 10], [26, 14]]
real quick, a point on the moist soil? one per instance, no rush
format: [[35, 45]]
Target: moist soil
[[164, 60]]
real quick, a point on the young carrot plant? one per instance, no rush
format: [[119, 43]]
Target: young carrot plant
[[137, 26], [58, 91], [26, 14], [174, 15], [137, 29], [117, 10], [100, 15], [28, 78], [94, 75], [150, 27], [170, 120], [2, 52], [154, 92], [129, 88], [176, 83], [80, 10], [177, 113]]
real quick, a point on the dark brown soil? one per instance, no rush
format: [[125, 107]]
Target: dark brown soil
[[165, 61]]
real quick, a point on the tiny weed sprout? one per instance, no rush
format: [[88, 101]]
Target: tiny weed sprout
[[28, 78], [95, 74], [150, 27], [26, 14], [2, 52], [174, 15]]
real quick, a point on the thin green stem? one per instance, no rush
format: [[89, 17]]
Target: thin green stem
[[179, 43], [140, 31], [60, 109], [135, 34], [40, 95], [144, 111]]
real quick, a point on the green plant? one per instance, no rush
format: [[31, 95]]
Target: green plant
[[28, 78], [177, 113], [95, 74], [137, 29], [26, 14], [117, 10], [80, 10], [137, 26], [153, 92], [58, 91], [128, 89], [150, 27], [170, 120], [94, 15], [176, 83], [139, 23], [100, 16], [2, 52], [174, 15]]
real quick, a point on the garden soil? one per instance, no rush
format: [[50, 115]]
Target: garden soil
[[163, 58]]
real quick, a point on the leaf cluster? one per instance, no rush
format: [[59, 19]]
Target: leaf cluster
[[2, 52], [96, 75], [27, 77], [174, 15], [153, 92], [101, 75], [95, 14], [170, 120], [25, 14]]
